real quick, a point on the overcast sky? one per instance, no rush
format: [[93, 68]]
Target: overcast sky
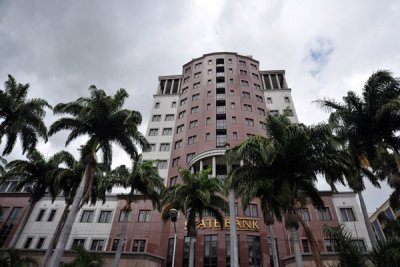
[[326, 48]]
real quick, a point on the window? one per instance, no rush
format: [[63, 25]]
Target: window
[[157, 105], [196, 85], [175, 161], [231, 81], [359, 243], [181, 114], [232, 92], [251, 211], [3, 213], [259, 98], [249, 122], [209, 93], [115, 244], [233, 120], [306, 245], [209, 72], [51, 215], [138, 245], [156, 118], [169, 117], [192, 139], [193, 124], [244, 83], [229, 60], [288, 112], [186, 80], [287, 100], [28, 242], [269, 100], [78, 242], [87, 216], [167, 131], [189, 157], [247, 107], [197, 75], [255, 76], [242, 62], [230, 70], [153, 132], [144, 216], [162, 164], [185, 89], [254, 248], [235, 136], [233, 105], [257, 86], [194, 109], [40, 242], [274, 112], [347, 214], [97, 244], [243, 72], [324, 214], [173, 180], [210, 62], [195, 97], [198, 65], [179, 128], [178, 144], [329, 245], [305, 214], [210, 251], [245, 94], [253, 66], [164, 147], [208, 106], [122, 214], [40, 215], [221, 140], [173, 104], [170, 253], [261, 111], [263, 125], [152, 148], [187, 69], [183, 101], [208, 136], [208, 121]]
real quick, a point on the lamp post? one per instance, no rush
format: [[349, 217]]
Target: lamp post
[[232, 216], [173, 214]]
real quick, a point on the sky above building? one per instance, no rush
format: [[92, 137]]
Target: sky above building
[[326, 47]]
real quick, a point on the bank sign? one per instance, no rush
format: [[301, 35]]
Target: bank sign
[[242, 224]]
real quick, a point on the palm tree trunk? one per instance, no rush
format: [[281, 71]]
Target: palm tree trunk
[[55, 237], [371, 233], [191, 251], [21, 226], [314, 245], [273, 244], [296, 247], [66, 231], [121, 240]]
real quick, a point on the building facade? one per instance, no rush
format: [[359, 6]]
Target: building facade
[[219, 99], [380, 217]]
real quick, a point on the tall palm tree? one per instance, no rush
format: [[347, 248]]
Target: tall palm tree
[[367, 126], [144, 182], [104, 121], [281, 169], [21, 117], [85, 259], [37, 175], [197, 195]]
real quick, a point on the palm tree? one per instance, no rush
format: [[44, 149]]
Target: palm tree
[[102, 119], [21, 117], [367, 127], [144, 182], [11, 258], [387, 253], [198, 195], [37, 175], [85, 259], [281, 169]]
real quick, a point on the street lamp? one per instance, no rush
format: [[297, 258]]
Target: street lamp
[[173, 214]]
